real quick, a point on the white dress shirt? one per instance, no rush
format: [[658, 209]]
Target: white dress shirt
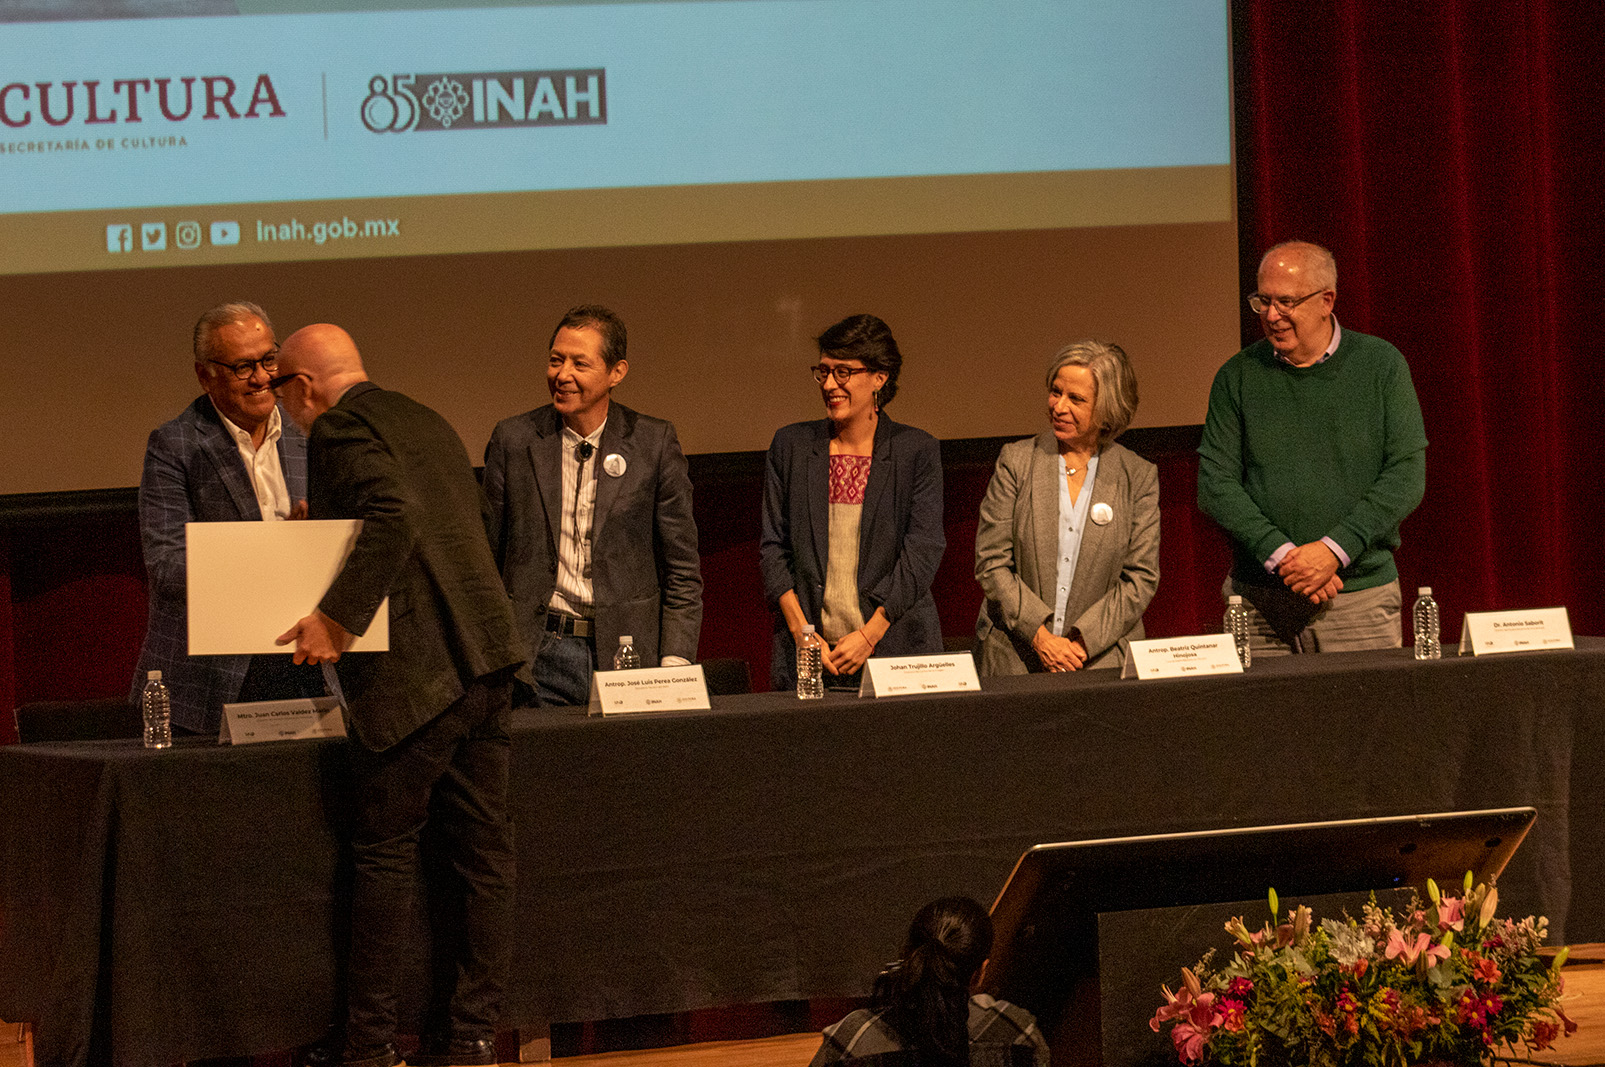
[[262, 466]]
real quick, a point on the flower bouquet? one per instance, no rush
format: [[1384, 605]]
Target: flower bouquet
[[1445, 982]]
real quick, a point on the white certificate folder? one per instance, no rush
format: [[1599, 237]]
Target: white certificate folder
[[251, 581]]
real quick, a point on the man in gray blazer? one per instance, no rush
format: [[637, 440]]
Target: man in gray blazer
[[588, 508], [229, 457]]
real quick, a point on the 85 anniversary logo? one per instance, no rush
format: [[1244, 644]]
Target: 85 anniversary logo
[[402, 103]]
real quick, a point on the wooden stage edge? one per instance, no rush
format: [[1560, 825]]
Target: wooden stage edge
[[1585, 1003]]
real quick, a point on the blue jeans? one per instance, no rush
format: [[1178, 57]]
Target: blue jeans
[[563, 669]]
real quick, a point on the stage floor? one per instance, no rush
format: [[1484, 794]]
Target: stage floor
[[1585, 1002]]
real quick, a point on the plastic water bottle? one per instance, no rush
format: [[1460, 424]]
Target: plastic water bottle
[[625, 658], [157, 705], [810, 666], [1425, 615], [1236, 624]]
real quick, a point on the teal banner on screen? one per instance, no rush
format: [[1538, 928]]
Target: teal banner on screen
[[267, 108]]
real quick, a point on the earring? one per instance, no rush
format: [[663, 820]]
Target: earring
[[876, 396]]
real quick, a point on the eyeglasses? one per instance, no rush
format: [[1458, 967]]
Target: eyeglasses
[[247, 367], [1284, 304], [843, 375], [280, 381]]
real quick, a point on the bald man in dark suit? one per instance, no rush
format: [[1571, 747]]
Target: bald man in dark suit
[[429, 719]]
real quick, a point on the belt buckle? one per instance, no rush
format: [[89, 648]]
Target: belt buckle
[[564, 625]]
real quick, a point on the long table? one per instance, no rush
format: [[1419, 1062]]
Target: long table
[[165, 906]]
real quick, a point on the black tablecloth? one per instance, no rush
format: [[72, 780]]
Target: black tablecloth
[[162, 906]]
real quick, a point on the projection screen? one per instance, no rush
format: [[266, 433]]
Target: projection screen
[[732, 176]]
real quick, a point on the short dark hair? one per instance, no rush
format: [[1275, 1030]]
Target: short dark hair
[[604, 321], [868, 340], [206, 327]]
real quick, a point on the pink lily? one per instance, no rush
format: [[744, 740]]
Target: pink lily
[[1195, 1014], [1451, 913], [1409, 952], [1189, 1040], [1182, 1002]]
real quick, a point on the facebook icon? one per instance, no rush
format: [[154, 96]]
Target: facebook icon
[[120, 237]]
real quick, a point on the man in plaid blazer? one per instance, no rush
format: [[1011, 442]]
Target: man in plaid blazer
[[229, 457]]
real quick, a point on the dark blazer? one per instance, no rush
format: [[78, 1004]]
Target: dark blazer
[[1017, 549], [193, 473], [400, 468], [900, 538], [646, 576]]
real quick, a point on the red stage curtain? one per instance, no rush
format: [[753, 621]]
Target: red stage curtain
[[1449, 154]]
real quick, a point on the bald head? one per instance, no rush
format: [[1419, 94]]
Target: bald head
[[1297, 288], [1304, 261], [317, 364]]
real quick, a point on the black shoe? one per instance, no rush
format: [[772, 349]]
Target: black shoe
[[448, 1052], [325, 1052], [370, 1056]]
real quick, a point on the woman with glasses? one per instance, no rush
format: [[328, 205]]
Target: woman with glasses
[[1067, 550], [852, 519]]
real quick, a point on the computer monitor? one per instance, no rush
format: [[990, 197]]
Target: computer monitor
[[1064, 901]]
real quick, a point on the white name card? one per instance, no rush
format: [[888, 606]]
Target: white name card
[[1182, 657], [281, 720], [648, 689], [890, 676], [1484, 633]]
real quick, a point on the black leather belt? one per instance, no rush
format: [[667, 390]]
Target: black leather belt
[[568, 625]]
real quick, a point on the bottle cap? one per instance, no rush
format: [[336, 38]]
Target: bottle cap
[[1234, 599], [153, 676], [626, 639], [1425, 590], [808, 627]]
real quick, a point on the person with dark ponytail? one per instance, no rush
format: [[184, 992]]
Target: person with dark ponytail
[[921, 1013]]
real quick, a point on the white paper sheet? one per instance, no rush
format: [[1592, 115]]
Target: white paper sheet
[[251, 581]]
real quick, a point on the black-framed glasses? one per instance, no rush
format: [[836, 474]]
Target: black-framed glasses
[[247, 367], [1261, 304], [843, 375], [279, 381]]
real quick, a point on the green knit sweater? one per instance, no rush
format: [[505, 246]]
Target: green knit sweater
[[1295, 454]]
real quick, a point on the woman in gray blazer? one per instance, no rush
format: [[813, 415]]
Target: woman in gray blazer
[[1067, 550]]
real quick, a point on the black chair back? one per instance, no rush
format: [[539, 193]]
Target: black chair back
[[727, 677], [78, 720]]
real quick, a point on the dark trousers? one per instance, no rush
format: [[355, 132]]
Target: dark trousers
[[451, 775]]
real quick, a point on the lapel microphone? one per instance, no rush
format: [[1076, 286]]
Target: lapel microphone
[[586, 449]]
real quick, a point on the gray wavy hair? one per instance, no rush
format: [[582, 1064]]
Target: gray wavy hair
[[212, 320]]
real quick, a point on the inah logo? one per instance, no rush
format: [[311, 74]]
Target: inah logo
[[404, 102], [446, 100]]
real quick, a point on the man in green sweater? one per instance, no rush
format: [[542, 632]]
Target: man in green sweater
[[1313, 453]]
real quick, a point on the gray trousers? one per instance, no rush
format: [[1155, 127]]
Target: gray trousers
[[1283, 623]]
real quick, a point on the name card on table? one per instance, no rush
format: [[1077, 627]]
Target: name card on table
[[648, 689], [1182, 657], [281, 720], [1484, 633], [890, 676]]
